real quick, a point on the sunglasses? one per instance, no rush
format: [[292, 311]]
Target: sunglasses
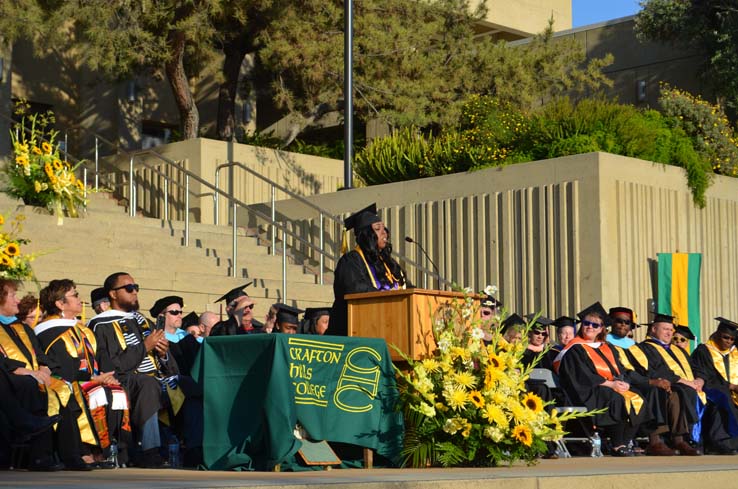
[[727, 337], [679, 340], [540, 333], [74, 294], [627, 322], [591, 324], [175, 312], [130, 288]]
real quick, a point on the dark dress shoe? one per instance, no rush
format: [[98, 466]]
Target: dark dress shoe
[[622, 451], [687, 449], [659, 450], [721, 449], [104, 464], [46, 465]]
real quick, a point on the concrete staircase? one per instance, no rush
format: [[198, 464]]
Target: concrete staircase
[[107, 240]]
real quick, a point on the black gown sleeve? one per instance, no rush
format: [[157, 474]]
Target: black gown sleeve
[[703, 367], [110, 355]]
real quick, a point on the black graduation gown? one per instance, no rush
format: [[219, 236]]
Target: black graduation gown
[[721, 418], [350, 277], [581, 382], [658, 369]]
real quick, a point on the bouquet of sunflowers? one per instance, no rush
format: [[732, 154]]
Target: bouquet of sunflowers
[[38, 174], [467, 405], [14, 264]]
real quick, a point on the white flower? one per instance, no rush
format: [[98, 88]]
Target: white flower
[[427, 410], [477, 333], [444, 345], [468, 290], [490, 290]]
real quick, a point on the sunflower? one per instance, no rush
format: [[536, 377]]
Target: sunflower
[[21, 160], [80, 185], [2, 220], [46, 147], [494, 361], [523, 435], [476, 398], [48, 170], [36, 151], [12, 249], [533, 402], [6, 261], [57, 165]]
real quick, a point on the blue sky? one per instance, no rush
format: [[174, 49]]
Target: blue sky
[[591, 11]]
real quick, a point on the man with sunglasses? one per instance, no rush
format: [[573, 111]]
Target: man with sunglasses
[[622, 322], [717, 360], [138, 356], [679, 385], [240, 310], [167, 311]]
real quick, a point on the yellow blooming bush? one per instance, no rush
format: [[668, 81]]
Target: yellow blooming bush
[[467, 405], [38, 174], [14, 264]]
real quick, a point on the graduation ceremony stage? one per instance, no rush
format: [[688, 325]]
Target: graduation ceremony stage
[[574, 473]]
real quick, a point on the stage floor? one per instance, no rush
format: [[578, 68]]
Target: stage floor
[[575, 473]]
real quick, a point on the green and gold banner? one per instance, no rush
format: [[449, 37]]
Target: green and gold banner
[[257, 388]]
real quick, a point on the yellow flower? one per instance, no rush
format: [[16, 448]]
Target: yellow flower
[[493, 360], [467, 429], [57, 165], [80, 185], [495, 415], [465, 379], [46, 147], [21, 160], [533, 402], [523, 435], [456, 397], [431, 365], [12, 249], [6, 261], [476, 398], [2, 220], [37, 186], [492, 375], [36, 150], [47, 169]]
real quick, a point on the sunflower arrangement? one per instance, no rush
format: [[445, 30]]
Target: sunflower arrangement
[[14, 264], [467, 405], [39, 175]]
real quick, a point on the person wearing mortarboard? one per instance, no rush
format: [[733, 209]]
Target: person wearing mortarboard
[[240, 310], [717, 360], [537, 340], [592, 375], [670, 368], [191, 325], [316, 320], [623, 322], [168, 311], [368, 267], [99, 300], [287, 321]]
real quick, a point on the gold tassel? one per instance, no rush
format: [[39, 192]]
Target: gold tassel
[[344, 243]]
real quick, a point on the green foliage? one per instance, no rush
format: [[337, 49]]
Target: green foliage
[[710, 27], [707, 126], [492, 133]]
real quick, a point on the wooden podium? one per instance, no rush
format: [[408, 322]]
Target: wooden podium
[[404, 318]]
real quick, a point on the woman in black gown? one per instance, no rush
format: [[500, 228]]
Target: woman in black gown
[[368, 267]]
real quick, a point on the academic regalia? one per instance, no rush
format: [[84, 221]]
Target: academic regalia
[[719, 369], [104, 414], [580, 371]]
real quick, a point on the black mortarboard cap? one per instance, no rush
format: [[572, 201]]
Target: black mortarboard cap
[[316, 312], [727, 326], [98, 295], [512, 320], [595, 309], [365, 217], [165, 302], [684, 331], [662, 318], [287, 314], [489, 301], [192, 319], [614, 310], [563, 321], [234, 294], [540, 321]]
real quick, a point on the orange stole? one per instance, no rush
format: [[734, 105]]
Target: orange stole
[[632, 400]]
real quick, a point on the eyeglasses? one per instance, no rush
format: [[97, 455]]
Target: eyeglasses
[[679, 340], [73, 294], [130, 288], [175, 312], [591, 324], [626, 322], [727, 337]]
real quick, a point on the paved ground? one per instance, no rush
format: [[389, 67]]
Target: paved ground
[[576, 473]]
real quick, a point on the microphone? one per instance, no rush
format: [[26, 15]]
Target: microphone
[[411, 240]]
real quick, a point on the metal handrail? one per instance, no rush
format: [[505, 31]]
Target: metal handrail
[[321, 212]]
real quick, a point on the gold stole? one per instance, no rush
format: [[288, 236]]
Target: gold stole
[[639, 356], [387, 271], [680, 367], [87, 434], [623, 357], [632, 400], [59, 393], [718, 360]]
